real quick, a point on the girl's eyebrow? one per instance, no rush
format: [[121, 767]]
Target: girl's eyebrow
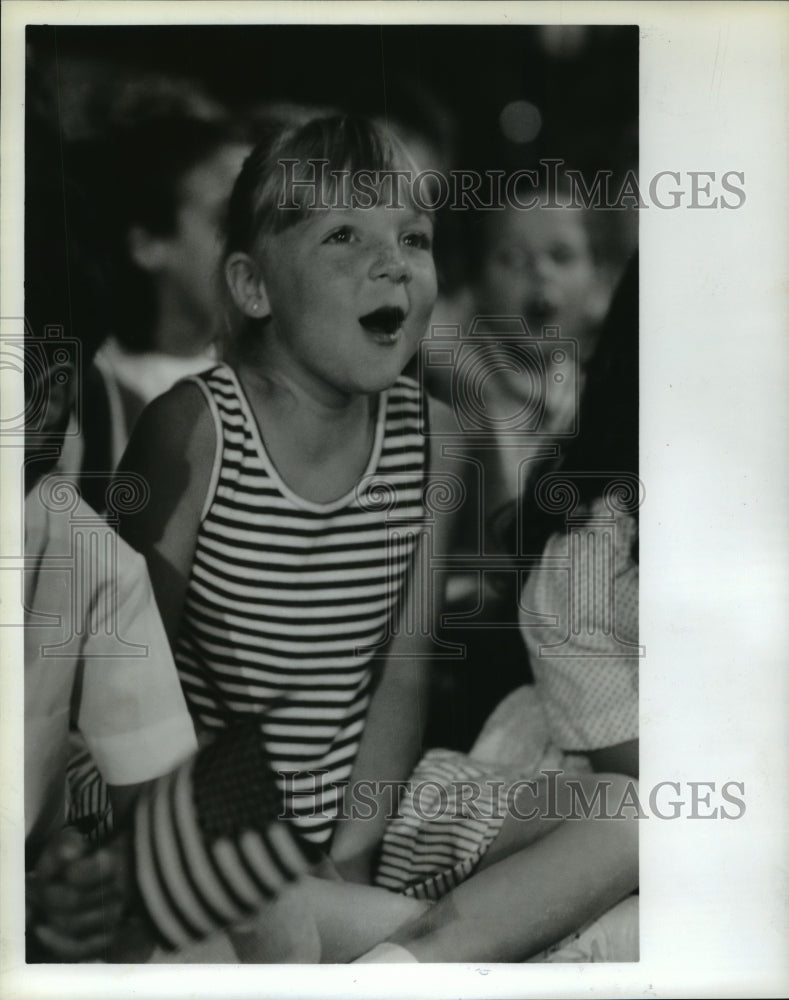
[[325, 218], [329, 215], [415, 214], [345, 215]]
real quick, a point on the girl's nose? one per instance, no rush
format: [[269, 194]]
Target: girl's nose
[[391, 263]]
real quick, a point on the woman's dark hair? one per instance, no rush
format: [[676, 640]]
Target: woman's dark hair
[[605, 451]]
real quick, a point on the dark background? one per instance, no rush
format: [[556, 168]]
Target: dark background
[[583, 80]]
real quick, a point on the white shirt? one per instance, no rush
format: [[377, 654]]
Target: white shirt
[[95, 647], [133, 380]]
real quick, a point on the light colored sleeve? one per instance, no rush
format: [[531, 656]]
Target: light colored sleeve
[[585, 659], [132, 711]]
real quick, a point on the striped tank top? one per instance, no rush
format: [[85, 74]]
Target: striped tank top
[[289, 600]]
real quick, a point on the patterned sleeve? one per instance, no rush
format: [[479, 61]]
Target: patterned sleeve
[[579, 620], [209, 847]]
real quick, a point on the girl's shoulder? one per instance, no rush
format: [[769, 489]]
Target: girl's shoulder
[[179, 423], [185, 401], [173, 450]]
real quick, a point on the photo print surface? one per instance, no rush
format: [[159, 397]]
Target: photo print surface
[[353, 397]]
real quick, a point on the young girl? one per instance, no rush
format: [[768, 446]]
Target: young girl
[[290, 523], [286, 453]]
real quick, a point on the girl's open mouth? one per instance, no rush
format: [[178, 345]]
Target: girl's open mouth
[[383, 322]]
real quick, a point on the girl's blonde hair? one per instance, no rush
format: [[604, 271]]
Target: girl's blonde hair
[[300, 167]]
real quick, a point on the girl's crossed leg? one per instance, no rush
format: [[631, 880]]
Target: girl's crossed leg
[[541, 879]]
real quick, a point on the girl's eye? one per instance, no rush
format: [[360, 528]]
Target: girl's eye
[[419, 240], [342, 235]]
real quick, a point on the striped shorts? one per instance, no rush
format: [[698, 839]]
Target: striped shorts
[[449, 814]]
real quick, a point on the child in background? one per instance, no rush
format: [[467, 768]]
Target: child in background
[[543, 265], [580, 626], [172, 176], [267, 534], [529, 268]]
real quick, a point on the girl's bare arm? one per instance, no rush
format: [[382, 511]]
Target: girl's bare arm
[[388, 752], [392, 741], [172, 449]]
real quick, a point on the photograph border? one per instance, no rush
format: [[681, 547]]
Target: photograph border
[[714, 692]]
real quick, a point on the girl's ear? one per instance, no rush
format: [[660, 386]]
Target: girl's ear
[[246, 286]]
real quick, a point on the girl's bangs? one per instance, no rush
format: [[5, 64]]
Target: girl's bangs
[[337, 164]]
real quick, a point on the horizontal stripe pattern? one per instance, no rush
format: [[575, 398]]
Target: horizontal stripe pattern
[[438, 838], [288, 600], [209, 851], [88, 801]]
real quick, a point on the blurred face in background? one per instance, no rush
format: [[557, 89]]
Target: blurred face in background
[[188, 258], [538, 264]]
